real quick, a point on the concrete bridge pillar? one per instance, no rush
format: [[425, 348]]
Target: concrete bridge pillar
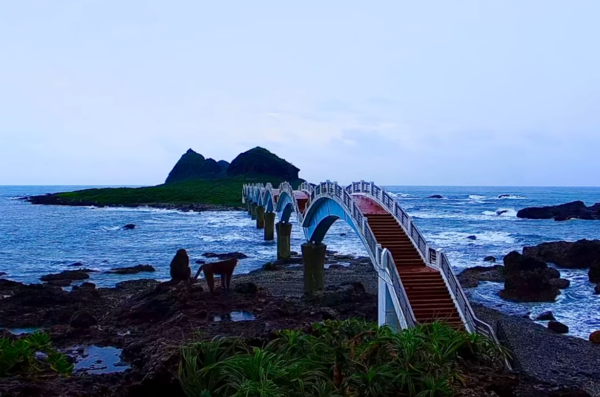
[[253, 207], [313, 256], [284, 233], [260, 217], [269, 226]]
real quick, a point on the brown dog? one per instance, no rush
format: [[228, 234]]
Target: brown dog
[[223, 268], [180, 267]]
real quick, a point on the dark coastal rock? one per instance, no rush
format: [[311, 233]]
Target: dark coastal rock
[[470, 278], [569, 392], [76, 264], [558, 327], [260, 161], [228, 255], [515, 262], [528, 280], [500, 212], [86, 286], [336, 267], [595, 337], [472, 237], [489, 259], [129, 226], [594, 272], [572, 255], [200, 262], [82, 319], [132, 269], [271, 266], [560, 283], [80, 274], [545, 316], [436, 196], [504, 195], [572, 210], [193, 166], [2, 274], [246, 288], [60, 282]]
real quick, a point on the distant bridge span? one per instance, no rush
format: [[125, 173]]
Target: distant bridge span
[[416, 282]]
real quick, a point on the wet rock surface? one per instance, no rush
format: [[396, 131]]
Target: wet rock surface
[[581, 254], [223, 256], [562, 212], [529, 279], [470, 278], [142, 322], [132, 269], [70, 275]]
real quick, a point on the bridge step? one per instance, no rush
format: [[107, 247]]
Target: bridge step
[[425, 288]]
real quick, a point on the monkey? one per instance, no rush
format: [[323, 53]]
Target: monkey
[[223, 268], [180, 267]]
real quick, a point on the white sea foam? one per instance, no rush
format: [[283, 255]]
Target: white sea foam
[[510, 197], [476, 197], [451, 239], [505, 212], [110, 228]]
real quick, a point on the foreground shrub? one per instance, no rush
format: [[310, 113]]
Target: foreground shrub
[[19, 356], [336, 358]]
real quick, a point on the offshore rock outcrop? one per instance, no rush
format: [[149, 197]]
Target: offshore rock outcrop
[[260, 161], [192, 166], [529, 279], [562, 212]]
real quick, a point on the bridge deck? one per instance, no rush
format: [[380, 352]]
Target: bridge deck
[[425, 288]]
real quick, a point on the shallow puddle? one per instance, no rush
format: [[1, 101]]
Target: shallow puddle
[[97, 360], [21, 331], [235, 316]]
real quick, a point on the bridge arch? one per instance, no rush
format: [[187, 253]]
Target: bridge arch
[[285, 205]]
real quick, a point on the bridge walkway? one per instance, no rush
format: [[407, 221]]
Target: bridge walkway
[[425, 288]]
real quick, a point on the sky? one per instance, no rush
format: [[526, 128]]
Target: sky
[[462, 92]]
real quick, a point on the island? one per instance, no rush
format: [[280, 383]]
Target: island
[[195, 183]]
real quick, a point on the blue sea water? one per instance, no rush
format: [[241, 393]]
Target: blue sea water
[[36, 240]]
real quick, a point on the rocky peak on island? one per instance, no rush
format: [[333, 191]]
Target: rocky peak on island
[[193, 165], [260, 161]]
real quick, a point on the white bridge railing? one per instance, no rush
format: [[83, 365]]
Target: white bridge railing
[[382, 258]]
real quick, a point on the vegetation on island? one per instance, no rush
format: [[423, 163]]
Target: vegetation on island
[[193, 182], [30, 355], [337, 358]]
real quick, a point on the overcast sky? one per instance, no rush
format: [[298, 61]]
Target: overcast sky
[[495, 92]]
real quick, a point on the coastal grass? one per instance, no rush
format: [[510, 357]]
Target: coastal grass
[[218, 192], [336, 358], [19, 356], [225, 192]]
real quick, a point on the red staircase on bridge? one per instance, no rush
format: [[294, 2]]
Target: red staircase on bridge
[[425, 288]]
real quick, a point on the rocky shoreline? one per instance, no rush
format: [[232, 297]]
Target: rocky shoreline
[[146, 321], [562, 212]]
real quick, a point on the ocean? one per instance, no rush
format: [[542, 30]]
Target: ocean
[[37, 240]]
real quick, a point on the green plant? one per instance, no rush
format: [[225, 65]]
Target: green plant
[[19, 356], [336, 358]]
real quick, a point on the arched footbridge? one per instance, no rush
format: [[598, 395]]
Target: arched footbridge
[[416, 282]]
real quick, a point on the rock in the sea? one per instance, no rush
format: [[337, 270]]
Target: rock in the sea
[[503, 195], [558, 327], [246, 288], [573, 210], [82, 319], [80, 274], [470, 278], [472, 237], [490, 259], [132, 269], [59, 283], [223, 256], [129, 226], [200, 262], [436, 196], [76, 264], [581, 254], [560, 283], [595, 337], [528, 279], [545, 316], [2, 274], [594, 272]]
